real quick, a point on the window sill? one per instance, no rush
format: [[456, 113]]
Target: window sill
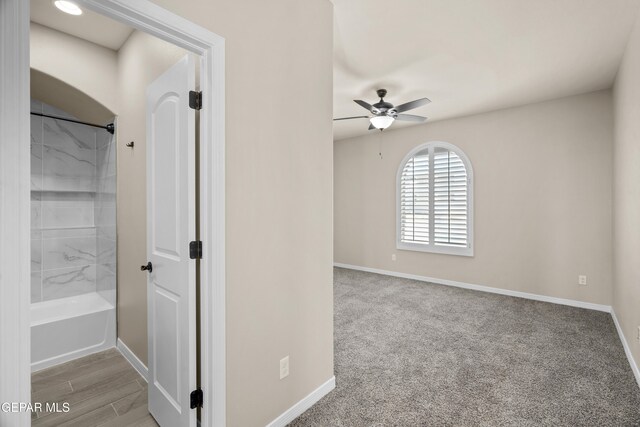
[[445, 250]]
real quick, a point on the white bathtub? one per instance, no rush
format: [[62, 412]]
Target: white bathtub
[[68, 328]]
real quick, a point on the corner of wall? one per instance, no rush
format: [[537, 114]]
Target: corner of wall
[[626, 199]]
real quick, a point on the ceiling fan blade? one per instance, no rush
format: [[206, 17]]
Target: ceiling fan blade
[[411, 105], [366, 105], [349, 118], [372, 127], [410, 118]]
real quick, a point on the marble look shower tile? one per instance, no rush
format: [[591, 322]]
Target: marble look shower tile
[[110, 160], [69, 232], [103, 138], [36, 287], [105, 197], [36, 214], [68, 198], [106, 183], [105, 214], [64, 171], [72, 200], [36, 130], [112, 268], [107, 189], [105, 277], [36, 106], [67, 282], [110, 185], [106, 282], [36, 166], [101, 161], [36, 255], [68, 135], [106, 232], [100, 194], [108, 199], [68, 252], [106, 250], [68, 169], [67, 216], [68, 184]]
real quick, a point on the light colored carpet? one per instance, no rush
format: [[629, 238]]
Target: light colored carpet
[[408, 353]]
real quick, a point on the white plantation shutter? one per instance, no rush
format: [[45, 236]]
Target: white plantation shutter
[[414, 199], [434, 200], [450, 198]]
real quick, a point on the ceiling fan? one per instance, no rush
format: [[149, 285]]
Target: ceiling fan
[[384, 113]]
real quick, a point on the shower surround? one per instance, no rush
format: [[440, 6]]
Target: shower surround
[[73, 238]]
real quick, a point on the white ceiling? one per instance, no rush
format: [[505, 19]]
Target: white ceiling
[[88, 26], [473, 56], [466, 56]]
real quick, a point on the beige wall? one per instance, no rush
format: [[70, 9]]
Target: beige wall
[[141, 60], [626, 207], [87, 67], [278, 199], [543, 177]]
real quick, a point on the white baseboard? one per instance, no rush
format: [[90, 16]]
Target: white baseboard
[[306, 403], [133, 360], [67, 357], [627, 350], [482, 288]]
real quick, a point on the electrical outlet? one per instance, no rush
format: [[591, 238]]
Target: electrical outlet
[[393, 257], [284, 367], [582, 280]]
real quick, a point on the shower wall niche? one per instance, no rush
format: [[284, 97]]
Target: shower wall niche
[[73, 238]]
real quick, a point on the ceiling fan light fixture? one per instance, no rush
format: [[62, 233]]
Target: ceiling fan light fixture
[[68, 7], [385, 113], [381, 122]]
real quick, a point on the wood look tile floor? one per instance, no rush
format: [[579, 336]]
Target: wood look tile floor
[[102, 389]]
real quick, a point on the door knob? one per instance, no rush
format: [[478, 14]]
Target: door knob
[[147, 267]]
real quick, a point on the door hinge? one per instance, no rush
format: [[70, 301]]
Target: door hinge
[[195, 249], [196, 399], [195, 100]]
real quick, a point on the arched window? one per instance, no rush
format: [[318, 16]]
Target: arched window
[[435, 200]]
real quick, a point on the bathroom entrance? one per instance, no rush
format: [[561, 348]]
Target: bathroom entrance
[[74, 262], [117, 79], [114, 241]]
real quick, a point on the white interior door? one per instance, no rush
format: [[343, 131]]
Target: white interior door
[[171, 217]]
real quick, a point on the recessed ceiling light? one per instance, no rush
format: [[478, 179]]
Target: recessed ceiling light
[[68, 7]]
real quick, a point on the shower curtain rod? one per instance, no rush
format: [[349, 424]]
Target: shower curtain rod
[[109, 128]]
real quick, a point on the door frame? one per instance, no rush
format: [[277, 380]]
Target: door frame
[[15, 369]]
